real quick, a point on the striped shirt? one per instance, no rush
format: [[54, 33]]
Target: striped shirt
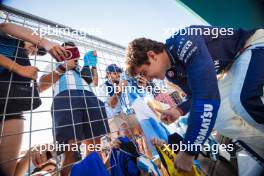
[[71, 80]]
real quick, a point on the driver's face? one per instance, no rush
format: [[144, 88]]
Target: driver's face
[[157, 67]]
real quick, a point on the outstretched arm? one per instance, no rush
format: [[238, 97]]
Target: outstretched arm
[[26, 34]]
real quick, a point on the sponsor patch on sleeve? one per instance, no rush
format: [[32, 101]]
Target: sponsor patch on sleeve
[[186, 49]]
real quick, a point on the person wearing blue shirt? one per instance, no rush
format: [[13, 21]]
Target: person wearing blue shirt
[[118, 93], [110, 94], [192, 58]]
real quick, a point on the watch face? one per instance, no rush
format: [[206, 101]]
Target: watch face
[[170, 73], [176, 97]]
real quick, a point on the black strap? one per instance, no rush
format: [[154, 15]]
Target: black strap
[[85, 73]]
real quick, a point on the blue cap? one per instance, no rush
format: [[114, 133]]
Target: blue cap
[[113, 68]]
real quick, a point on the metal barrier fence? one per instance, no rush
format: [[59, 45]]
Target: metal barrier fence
[[39, 127]]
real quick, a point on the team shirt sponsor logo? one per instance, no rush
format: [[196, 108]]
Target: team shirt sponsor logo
[[186, 51], [206, 120]]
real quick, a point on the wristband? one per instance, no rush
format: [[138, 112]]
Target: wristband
[[62, 68], [58, 72]]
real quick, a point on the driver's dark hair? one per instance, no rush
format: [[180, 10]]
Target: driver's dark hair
[[136, 53]]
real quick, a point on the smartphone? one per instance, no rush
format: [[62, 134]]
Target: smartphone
[[73, 53], [105, 142]]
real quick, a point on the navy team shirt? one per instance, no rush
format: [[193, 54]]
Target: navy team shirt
[[196, 60]]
